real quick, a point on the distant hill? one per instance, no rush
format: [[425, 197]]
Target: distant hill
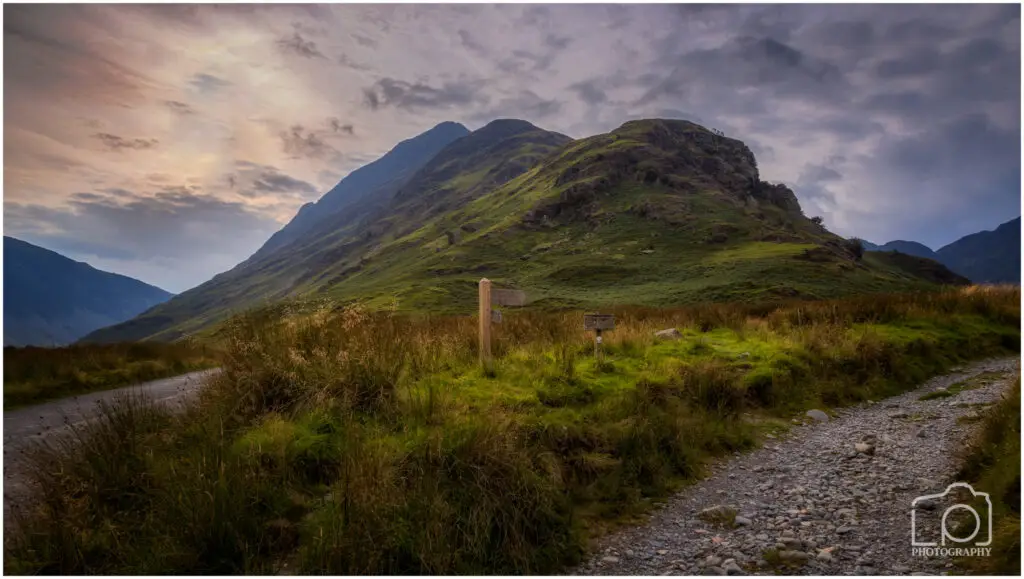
[[983, 257], [987, 256], [50, 300], [906, 247], [656, 212]]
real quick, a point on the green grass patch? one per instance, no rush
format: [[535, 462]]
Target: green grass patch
[[991, 463], [957, 388]]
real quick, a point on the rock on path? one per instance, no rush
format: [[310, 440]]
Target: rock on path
[[811, 501]]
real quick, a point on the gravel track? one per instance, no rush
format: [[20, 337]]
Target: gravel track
[[814, 502], [35, 424]]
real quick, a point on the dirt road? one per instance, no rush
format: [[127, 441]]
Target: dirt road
[[831, 497], [24, 426]]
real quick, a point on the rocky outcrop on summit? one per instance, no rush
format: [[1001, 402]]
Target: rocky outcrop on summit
[[681, 157]]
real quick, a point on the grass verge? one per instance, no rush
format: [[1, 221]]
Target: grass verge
[[33, 375], [356, 443], [992, 464]]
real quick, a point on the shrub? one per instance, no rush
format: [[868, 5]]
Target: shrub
[[855, 246]]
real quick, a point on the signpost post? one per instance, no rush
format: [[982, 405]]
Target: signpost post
[[597, 323], [485, 322], [498, 297]]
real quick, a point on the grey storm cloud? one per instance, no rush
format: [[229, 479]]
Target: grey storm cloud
[[273, 182], [813, 186], [774, 68], [971, 140], [389, 92], [470, 42], [255, 180], [589, 92], [524, 104]]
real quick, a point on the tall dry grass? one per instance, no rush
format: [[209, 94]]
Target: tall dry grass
[[356, 442], [33, 375]]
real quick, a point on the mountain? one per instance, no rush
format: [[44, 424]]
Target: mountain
[[377, 180], [986, 256], [50, 300], [906, 247], [656, 212]]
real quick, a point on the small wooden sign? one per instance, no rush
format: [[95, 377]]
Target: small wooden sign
[[508, 297], [598, 322], [495, 316]]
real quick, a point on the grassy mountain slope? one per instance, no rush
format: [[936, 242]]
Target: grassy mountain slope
[[336, 247], [377, 180], [653, 213], [656, 212], [51, 300]]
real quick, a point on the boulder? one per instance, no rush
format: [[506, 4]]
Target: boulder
[[794, 556], [718, 514], [864, 448], [817, 415], [669, 334]]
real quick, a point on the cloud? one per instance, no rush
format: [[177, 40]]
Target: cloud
[[299, 142], [364, 40], [338, 127], [180, 107], [389, 92], [555, 42], [813, 187], [269, 185], [523, 104], [589, 92], [347, 62], [175, 238], [208, 83], [116, 143], [470, 42], [297, 45], [273, 182]]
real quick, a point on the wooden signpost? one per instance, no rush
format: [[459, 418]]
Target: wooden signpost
[[597, 323], [497, 297], [485, 321], [508, 297]]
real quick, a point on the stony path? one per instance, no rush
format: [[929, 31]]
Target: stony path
[[811, 503], [25, 426]]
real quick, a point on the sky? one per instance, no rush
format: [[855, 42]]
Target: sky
[[168, 142]]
